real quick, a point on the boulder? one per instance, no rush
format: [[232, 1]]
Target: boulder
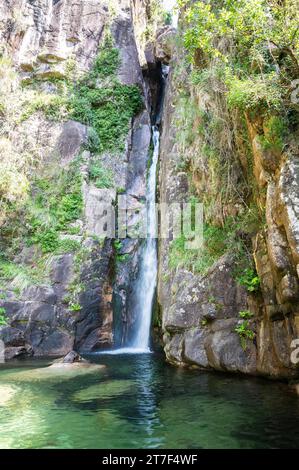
[[12, 336], [70, 358], [17, 352]]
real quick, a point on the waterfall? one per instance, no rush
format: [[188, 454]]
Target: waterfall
[[146, 284]]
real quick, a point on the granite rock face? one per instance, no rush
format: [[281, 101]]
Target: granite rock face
[[200, 313], [45, 38]]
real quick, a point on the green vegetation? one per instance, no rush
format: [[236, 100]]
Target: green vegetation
[[50, 204], [56, 203], [53, 106], [244, 330], [21, 276], [245, 314], [275, 134], [249, 279], [265, 37], [119, 257], [75, 307], [102, 102], [3, 320], [238, 61], [219, 240], [249, 23], [97, 99], [101, 177], [256, 92]]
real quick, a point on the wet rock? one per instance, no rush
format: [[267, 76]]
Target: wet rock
[[174, 348], [95, 322]]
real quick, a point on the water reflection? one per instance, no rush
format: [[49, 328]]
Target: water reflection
[[147, 406], [138, 401]]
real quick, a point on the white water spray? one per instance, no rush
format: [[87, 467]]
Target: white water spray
[[146, 284]]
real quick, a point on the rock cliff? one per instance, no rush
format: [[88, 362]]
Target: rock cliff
[[234, 305], [59, 281]]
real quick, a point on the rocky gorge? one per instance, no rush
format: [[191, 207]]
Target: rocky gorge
[[81, 86]]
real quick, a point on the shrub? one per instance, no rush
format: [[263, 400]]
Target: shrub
[[3, 320], [75, 307], [59, 199], [256, 92], [245, 314], [93, 141], [102, 178], [102, 102], [245, 333], [249, 279], [275, 134]]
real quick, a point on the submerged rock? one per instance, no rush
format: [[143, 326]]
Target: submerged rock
[[58, 371], [104, 390]]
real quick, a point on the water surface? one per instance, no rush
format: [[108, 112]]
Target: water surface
[[140, 402]]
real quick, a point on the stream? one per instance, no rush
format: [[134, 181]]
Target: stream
[[138, 401]]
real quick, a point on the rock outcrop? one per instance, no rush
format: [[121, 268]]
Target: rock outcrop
[[202, 311], [84, 295]]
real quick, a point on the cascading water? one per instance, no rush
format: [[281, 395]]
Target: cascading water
[[144, 289], [146, 285]]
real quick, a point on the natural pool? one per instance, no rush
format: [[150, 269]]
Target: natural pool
[[140, 402]]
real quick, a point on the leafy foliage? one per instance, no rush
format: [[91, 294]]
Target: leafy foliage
[[245, 314], [102, 102], [102, 177], [75, 307], [249, 24], [249, 279], [3, 320], [60, 202], [245, 333], [252, 39]]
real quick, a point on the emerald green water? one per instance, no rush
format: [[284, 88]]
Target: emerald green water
[[140, 402]]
